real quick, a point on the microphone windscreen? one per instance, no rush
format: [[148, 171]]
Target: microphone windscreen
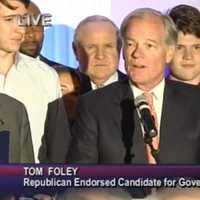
[[140, 100]]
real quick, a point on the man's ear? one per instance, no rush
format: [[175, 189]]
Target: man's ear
[[170, 53]]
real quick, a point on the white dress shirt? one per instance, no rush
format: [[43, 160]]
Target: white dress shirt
[[111, 79], [35, 84], [157, 93]]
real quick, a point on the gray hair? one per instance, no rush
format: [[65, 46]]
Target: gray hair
[[97, 18], [170, 28], [83, 194]]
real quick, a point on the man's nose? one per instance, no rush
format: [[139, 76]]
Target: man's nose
[[187, 54], [137, 52], [100, 53], [29, 32]]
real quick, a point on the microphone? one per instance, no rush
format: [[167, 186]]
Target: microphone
[[146, 118], [148, 124]]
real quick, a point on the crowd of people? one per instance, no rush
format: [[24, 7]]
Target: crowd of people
[[89, 113]]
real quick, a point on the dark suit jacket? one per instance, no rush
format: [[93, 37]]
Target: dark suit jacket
[[107, 126], [57, 136], [13, 118]]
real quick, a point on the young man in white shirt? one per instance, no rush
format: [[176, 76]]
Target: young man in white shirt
[[28, 80]]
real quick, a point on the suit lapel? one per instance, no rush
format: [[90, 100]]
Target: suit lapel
[[164, 123], [121, 76], [168, 130], [85, 83]]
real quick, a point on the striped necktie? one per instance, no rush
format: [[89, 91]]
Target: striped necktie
[[155, 140]]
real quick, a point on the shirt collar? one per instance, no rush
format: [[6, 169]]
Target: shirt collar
[[157, 91], [111, 79], [17, 62]]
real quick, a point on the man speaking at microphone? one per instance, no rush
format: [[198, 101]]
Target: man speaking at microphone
[[111, 127]]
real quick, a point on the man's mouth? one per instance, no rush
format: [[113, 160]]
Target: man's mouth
[[188, 65], [30, 45], [100, 65], [17, 39], [138, 66]]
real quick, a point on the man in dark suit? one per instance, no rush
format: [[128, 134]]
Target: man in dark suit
[[108, 122], [108, 129], [97, 48], [57, 137], [58, 122], [14, 119]]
